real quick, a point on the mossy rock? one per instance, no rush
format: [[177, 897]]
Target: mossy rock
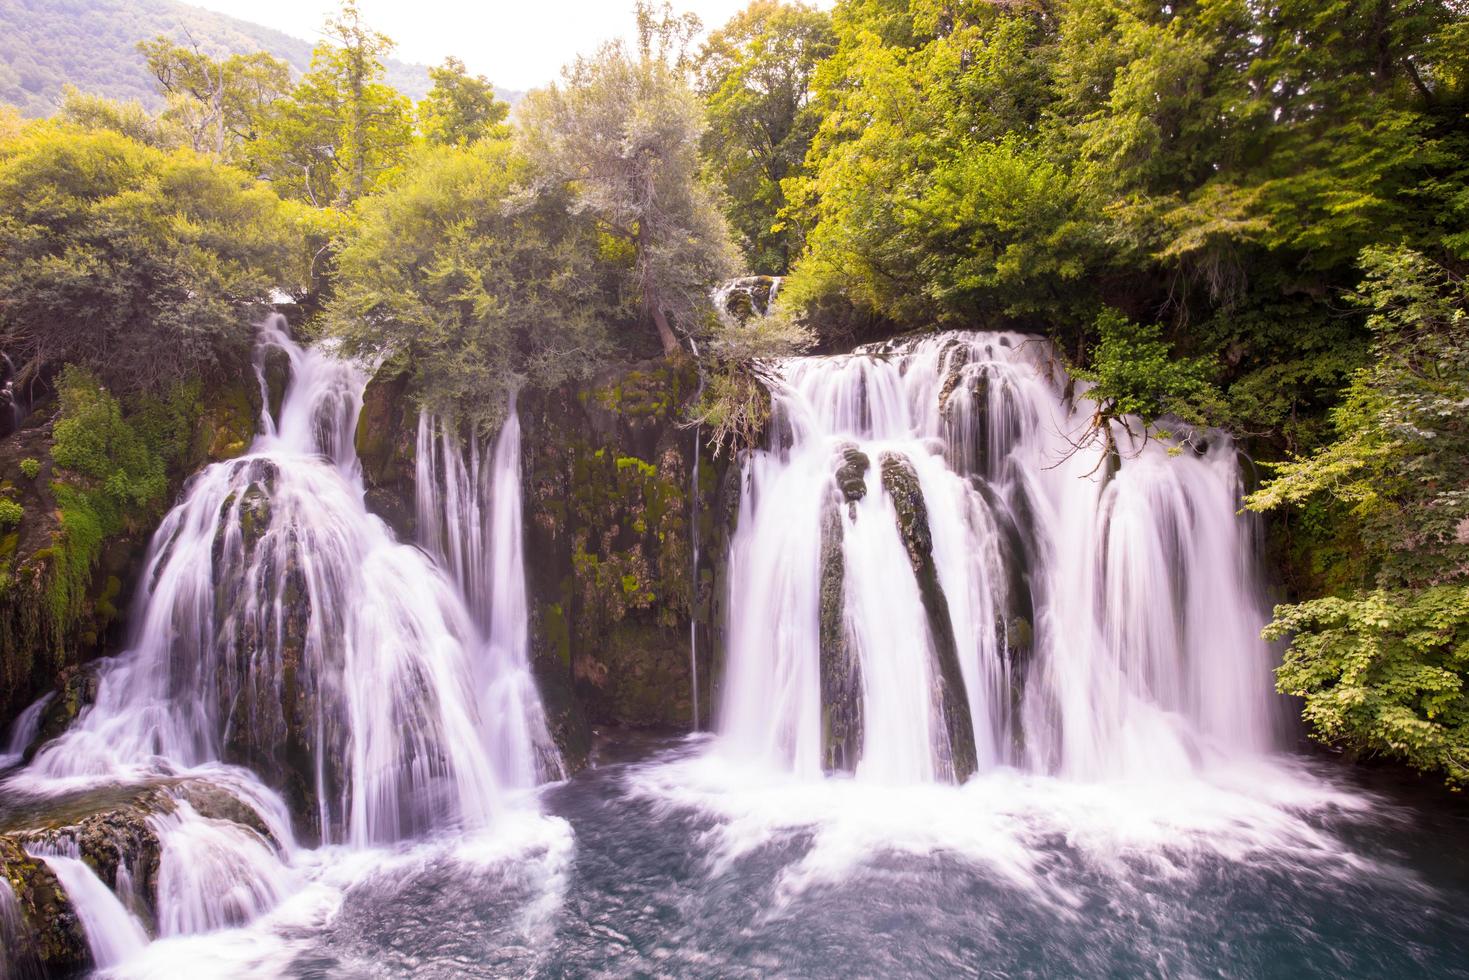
[[958, 756]]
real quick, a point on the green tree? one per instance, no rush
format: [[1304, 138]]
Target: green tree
[[461, 108], [1383, 666], [343, 132], [218, 103], [474, 282], [147, 267], [755, 75], [621, 131]]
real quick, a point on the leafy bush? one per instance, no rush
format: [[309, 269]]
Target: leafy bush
[[31, 467], [145, 267], [1383, 667], [1384, 672], [10, 513]]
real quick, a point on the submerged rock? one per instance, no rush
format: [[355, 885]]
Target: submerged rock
[[900, 482]]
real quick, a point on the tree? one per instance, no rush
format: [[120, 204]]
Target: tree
[[755, 75], [218, 103], [621, 131], [1383, 667], [460, 109], [128, 118], [143, 266], [342, 132], [475, 283]]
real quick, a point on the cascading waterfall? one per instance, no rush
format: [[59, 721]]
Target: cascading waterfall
[[470, 518], [113, 933], [280, 627], [24, 731], [930, 577]]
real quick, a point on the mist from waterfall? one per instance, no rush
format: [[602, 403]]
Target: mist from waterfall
[[927, 518]]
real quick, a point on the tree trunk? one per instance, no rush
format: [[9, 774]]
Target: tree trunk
[[665, 333], [650, 300]]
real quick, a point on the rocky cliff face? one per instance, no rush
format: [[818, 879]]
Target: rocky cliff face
[[614, 517], [58, 609]]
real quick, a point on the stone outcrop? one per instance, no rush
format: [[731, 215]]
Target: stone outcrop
[[900, 482]]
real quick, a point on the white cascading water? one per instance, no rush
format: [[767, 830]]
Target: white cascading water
[[23, 731], [279, 626], [470, 519], [113, 933], [1104, 611]]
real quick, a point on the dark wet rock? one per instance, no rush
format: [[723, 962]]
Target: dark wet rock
[[851, 473], [900, 482], [610, 510], [387, 446], [841, 674], [276, 371], [76, 690]]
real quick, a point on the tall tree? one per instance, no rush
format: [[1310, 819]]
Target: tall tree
[[342, 131], [622, 130], [218, 103], [755, 75], [461, 108]]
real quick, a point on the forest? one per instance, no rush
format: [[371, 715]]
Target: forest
[[1234, 224]]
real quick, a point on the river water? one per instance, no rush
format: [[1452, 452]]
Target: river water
[[662, 861]]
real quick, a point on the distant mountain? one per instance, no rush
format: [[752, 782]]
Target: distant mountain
[[92, 44]]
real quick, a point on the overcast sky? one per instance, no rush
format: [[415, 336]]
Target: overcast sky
[[518, 44]]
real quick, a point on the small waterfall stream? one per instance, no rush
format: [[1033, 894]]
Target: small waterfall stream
[[930, 578]]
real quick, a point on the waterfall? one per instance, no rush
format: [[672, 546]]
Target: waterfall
[[24, 731], [929, 578], [470, 518], [213, 873], [113, 933], [280, 627]]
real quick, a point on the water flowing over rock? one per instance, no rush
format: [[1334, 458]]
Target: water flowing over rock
[[929, 578], [279, 626], [469, 517]]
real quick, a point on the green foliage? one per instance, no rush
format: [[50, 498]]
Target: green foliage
[[115, 467], [1134, 372], [735, 401], [216, 103], [755, 75], [1382, 666], [31, 467], [130, 119], [476, 282], [621, 134], [112, 252], [461, 108], [10, 513], [1384, 672], [1400, 460], [343, 132], [111, 470], [1213, 166]]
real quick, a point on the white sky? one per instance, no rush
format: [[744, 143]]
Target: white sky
[[517, 44]]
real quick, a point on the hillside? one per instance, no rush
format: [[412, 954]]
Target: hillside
[[46, 44]]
